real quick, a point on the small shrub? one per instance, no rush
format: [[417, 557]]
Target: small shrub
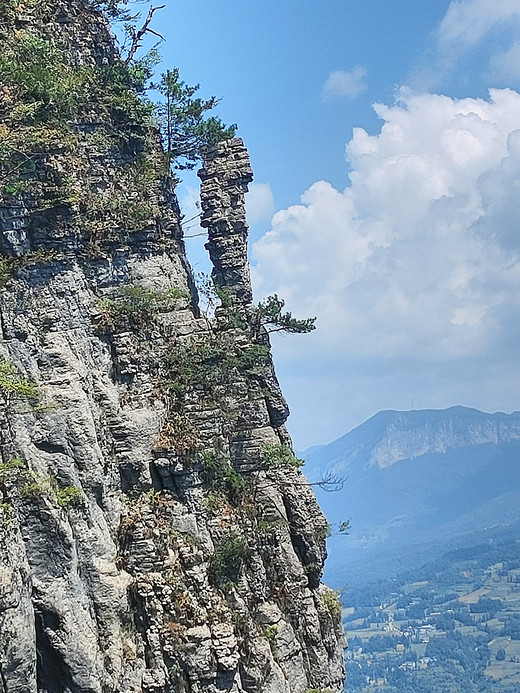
[[223, 478], [324, 532], [15, 187], [178, 434], [134, 305], [215, 502], [12, 384], [227, 560], [332, 601], [275, 456], [224, 296], [36, 487], [265, 527], [10, 470], [270, 633], [69, 496], [235, 483], [14, 463]]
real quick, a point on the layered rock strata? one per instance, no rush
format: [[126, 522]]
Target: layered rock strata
[[225, 176], [156, 534]]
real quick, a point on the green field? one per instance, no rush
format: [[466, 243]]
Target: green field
[[451, 627]]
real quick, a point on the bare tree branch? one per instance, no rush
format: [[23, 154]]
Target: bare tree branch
[[145, 29], [329, 482]]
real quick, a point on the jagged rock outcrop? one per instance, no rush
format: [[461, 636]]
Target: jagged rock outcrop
[[225, 176], [156, 534]]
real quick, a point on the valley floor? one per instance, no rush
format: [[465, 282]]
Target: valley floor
[[450, 627]]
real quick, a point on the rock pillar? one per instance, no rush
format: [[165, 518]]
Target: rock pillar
[[224, 180]]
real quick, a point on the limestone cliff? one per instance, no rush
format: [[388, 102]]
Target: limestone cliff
[[156, 533]]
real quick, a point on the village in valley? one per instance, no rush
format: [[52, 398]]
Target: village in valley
[[451, 626]]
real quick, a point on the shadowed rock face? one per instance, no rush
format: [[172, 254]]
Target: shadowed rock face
[[146, 544]]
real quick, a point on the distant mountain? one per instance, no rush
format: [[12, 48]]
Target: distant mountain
[[416, 484]]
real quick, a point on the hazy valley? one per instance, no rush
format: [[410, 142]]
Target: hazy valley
[[417, 484], [430, 570]]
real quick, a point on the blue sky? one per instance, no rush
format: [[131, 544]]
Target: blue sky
[[387, 192]]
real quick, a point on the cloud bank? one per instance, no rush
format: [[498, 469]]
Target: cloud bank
[[415, 267]]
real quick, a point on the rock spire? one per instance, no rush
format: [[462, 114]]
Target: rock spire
[[225, 177]]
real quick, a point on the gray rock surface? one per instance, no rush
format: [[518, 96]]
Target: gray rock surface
[[146, 544], [225, 176]]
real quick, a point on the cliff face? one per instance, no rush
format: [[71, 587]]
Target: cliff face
[[408, 437], [390, 437], [156, 533]]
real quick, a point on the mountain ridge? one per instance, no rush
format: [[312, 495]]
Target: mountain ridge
[[416, 481], [359, 438]]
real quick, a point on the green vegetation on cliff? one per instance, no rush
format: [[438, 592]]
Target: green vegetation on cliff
[[54, 106]]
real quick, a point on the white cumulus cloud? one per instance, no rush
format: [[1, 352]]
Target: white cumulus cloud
[[418, 260], [342, 83]]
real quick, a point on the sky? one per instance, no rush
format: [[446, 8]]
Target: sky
[[385, 141]]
